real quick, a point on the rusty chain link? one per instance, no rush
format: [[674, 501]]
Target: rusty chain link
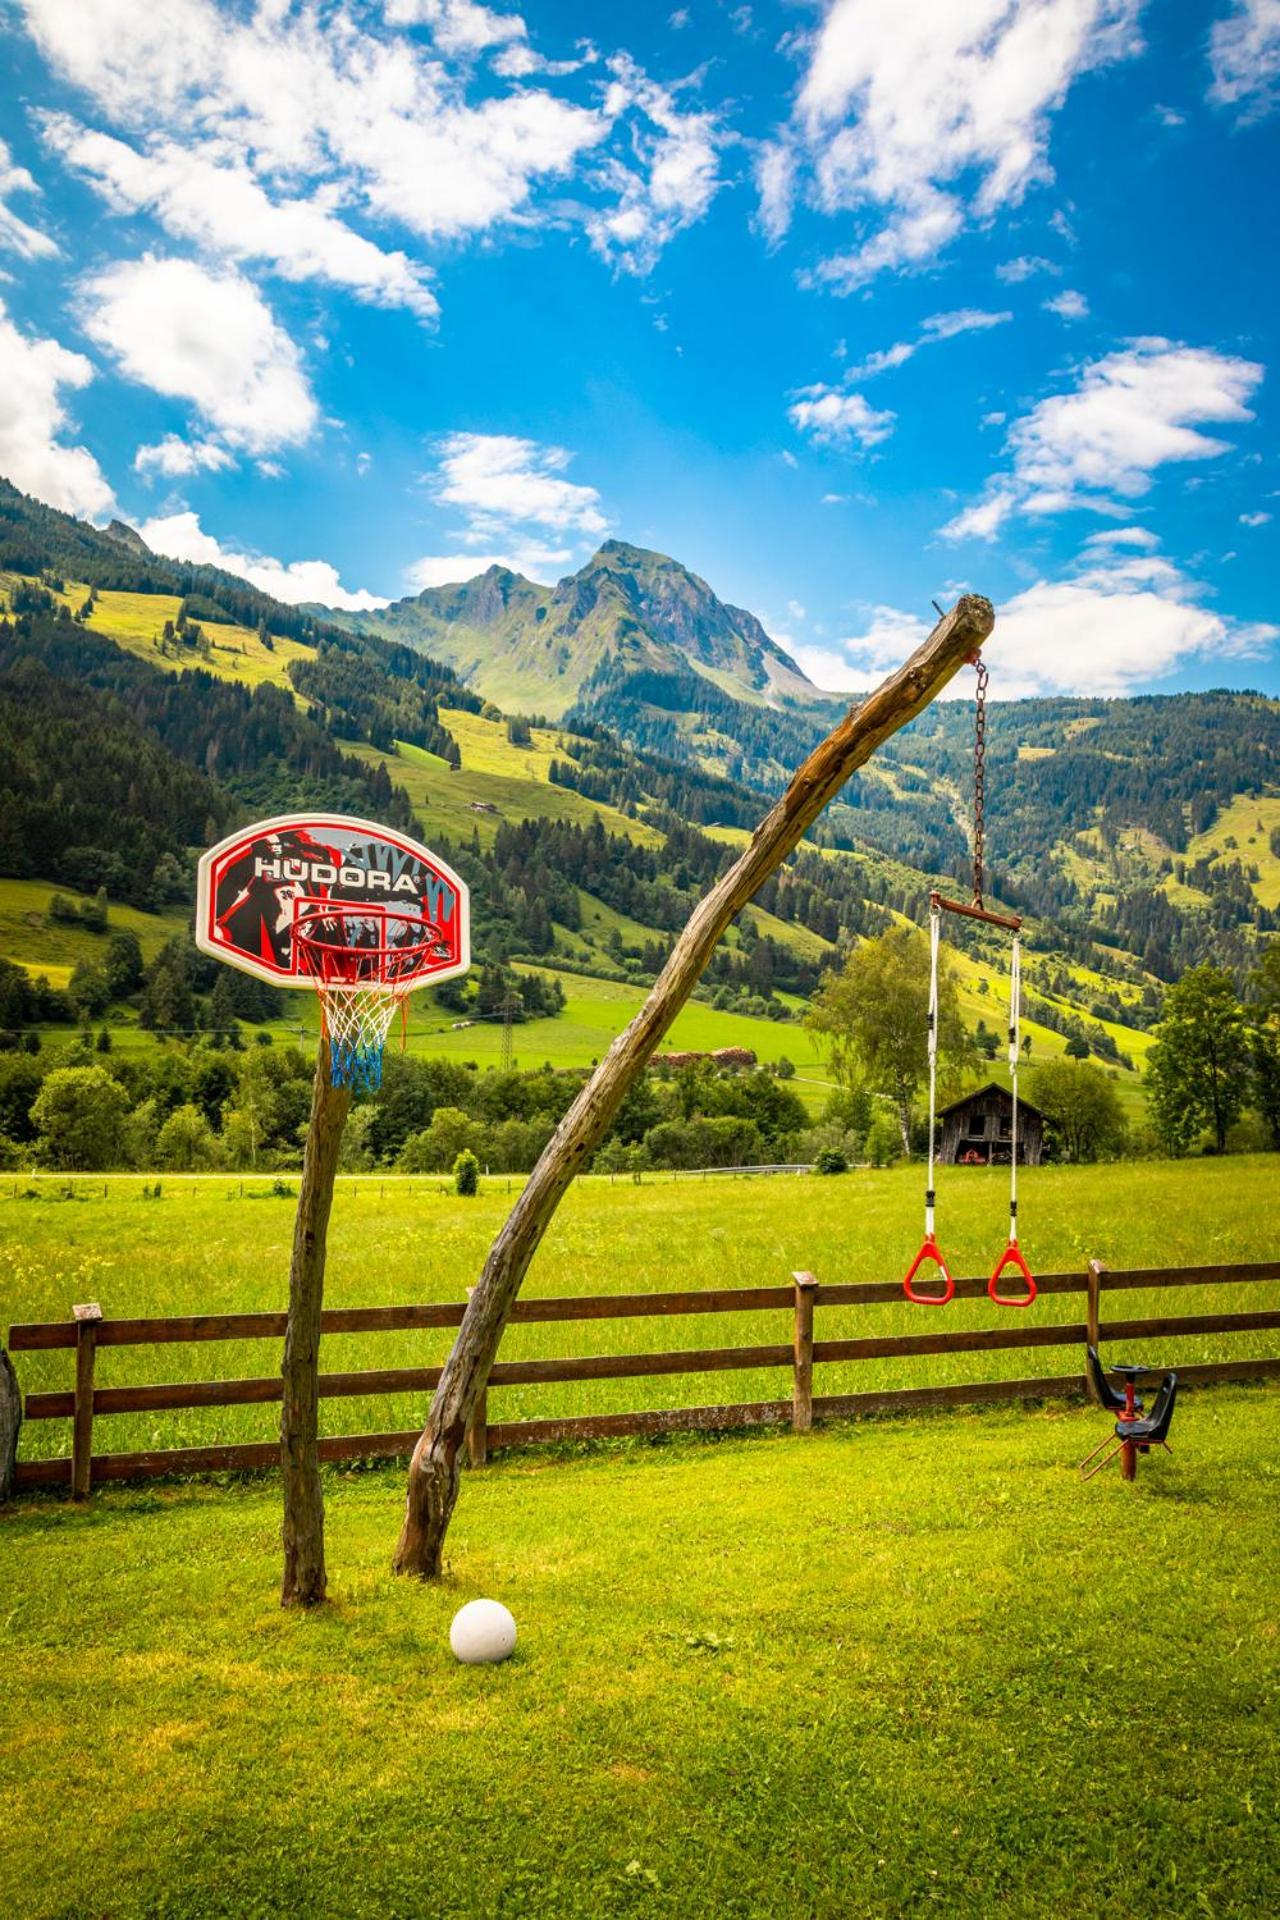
[[979, 779]]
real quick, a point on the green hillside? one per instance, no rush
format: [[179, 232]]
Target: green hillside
[[1136, 836]]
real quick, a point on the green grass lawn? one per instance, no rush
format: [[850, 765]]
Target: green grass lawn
[[907, 1667], [202, 1247]]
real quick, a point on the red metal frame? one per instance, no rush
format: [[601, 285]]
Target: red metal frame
[[384, 962], [1012, 1256], [929, 1250]]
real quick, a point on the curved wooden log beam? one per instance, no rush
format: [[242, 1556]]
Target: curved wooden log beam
[[436, 1465]]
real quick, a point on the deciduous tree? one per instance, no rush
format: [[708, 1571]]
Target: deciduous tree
[[1198, 1069], [872, 1018], [1081, 1106]]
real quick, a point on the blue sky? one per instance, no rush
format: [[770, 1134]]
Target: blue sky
[[847, 306]]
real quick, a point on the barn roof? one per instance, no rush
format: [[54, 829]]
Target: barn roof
[[992, 1086]]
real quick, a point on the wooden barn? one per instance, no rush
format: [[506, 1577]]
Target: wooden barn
[[977, 1129]]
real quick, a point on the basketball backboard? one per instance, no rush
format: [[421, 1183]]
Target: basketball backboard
[[260, 887]]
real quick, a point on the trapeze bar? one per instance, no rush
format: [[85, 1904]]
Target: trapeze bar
[[1012, 921]]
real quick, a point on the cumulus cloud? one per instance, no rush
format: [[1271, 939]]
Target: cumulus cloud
[[16, 236], [1115, 623], [887, 637], [1113, 627], [181, 537], [501, 481], [546, 564], [839, 419], [210, 196], [174, 458], [1129, 414], [372, 119], [458, 26], [670, 180], [1068, 305], [208, 338], [923, 116], [34, 422], [1258, 519], [1244, 56]]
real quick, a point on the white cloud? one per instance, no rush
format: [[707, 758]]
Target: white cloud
[[34, 421], [1129, 414], [208, 338], [889, 637], [173, 457], [775, 171], [1254, 519], [211, 197], [1141, 537], [458, 26], [373, 119], [839, 419], [1023, 268], [672, 180], [926, 115], [28, 242], [1244, 55], [180, 536], [1112, 627], [545, 564], [984, 519], [939, 326], [1068, 305], [502, 481]]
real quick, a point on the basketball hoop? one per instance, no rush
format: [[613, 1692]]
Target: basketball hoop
[[359, 913], [364, 961]]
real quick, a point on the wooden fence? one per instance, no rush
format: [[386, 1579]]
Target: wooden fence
[[84, 1403]]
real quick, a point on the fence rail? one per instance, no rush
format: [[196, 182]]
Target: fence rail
[[84, 1402]]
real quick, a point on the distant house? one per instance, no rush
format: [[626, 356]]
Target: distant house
[[976, 1131]]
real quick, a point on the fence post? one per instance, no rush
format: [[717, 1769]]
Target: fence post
[[802, 1386], [478, 1432], [478, 1425], [1093, 1320], [86, 1318]]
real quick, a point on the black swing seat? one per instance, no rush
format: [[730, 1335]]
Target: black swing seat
[[1112, 1398], [1154, 1430]]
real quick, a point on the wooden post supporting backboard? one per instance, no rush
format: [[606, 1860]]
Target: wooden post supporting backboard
[[304, 1582]]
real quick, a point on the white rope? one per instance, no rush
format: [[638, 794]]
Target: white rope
[[935, 934], [1015, 1023]]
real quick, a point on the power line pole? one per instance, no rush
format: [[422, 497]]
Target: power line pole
[[508, 1009]]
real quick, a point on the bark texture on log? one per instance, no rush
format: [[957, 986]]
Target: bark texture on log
[[304, 1581], [435, 1469]]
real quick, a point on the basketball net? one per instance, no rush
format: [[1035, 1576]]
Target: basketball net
[[365, 962]]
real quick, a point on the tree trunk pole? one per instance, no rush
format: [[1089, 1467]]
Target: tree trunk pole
[[435, 1469], [303, 1533]]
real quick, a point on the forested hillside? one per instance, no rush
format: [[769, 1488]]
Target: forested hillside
[[146, 706]]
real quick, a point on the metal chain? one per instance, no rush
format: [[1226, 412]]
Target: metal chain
[[979, 780]]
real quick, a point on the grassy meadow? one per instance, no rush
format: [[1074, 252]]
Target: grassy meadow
[[220, 1244], [904, 1668]]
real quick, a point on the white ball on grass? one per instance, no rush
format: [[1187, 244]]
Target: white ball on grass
[[482, 1631]]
